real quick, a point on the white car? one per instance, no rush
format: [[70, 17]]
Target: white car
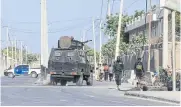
[[23, 70]]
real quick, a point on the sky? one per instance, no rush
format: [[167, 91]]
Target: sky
[[65, 18]]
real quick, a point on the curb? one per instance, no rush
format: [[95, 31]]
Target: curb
[[151, 97]]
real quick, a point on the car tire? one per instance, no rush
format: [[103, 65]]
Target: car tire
[[34, 74], [79, 80], [11, 75], [63, 82], [169, 88], [5, 74], [145, 88], [90, 80]]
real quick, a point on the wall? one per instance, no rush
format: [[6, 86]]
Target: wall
[[155, 58]]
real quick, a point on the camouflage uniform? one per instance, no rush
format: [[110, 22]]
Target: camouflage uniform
[[118, 70]]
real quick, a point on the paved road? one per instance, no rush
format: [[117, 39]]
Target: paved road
[[21, 91]]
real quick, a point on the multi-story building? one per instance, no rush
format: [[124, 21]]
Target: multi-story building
[[140, 25]]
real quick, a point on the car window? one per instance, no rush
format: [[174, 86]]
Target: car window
[[18, 67], [24, 66]]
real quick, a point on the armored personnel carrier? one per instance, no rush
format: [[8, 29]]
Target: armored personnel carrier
[[69, 63]]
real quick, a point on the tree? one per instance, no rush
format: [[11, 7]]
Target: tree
[[178, 15], [30, 57], [111, 25], [91, 52], [110, 29], [138, 13]]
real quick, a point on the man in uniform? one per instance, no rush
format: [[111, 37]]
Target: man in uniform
[[139, 70], [118, 69]]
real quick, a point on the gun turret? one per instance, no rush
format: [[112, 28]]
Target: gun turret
[[67, 42]]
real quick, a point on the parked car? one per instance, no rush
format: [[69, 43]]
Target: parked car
[[22, 70]]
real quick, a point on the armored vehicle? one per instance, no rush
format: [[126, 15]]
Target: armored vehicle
[[69, 63]]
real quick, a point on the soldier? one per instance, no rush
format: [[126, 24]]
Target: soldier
[[139, 70], [118, 68]]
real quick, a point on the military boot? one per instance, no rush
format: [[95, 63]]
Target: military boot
[[118, 87]]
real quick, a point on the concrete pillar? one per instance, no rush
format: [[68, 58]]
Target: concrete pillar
[[165, 39], [156, 59]]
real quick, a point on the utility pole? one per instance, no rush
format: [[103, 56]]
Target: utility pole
[[149, 37], [119, 30], [173, 51], [109, 8], [7, 49], [93, 31], [83, 37], [100, 53], [26, 54], [44, 35], [12, 56], [21, 53], [15, 54], [165, 37]]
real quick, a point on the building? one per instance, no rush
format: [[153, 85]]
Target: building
[[140, 25]]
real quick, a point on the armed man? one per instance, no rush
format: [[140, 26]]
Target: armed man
[[139, 70], [118, 69]]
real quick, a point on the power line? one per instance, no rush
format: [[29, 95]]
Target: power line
[[51, 22], [101, 9], [131, 4], [50, 31]]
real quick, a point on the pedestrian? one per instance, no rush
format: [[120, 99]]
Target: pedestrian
[[101, 72], [118, 69], [97, 72], [106, 68], [139, 70], [110, 72]]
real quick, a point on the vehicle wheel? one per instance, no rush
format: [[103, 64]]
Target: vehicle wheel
[[11, 75], [90, 80], [145, 88], [63, 82], [169, 88], [34, 74], [79, 80]]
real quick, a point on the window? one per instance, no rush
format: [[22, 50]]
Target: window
[[19, 67], [153, 29], [81, 53], [58, 53], [24, 66], [70, 54]]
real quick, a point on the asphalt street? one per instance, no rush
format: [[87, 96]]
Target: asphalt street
[[22, 91]]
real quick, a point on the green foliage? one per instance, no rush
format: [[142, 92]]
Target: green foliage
[[91, 52], [111, 25], [138, 41], [110, 29], [178, 16], [30, 57]]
